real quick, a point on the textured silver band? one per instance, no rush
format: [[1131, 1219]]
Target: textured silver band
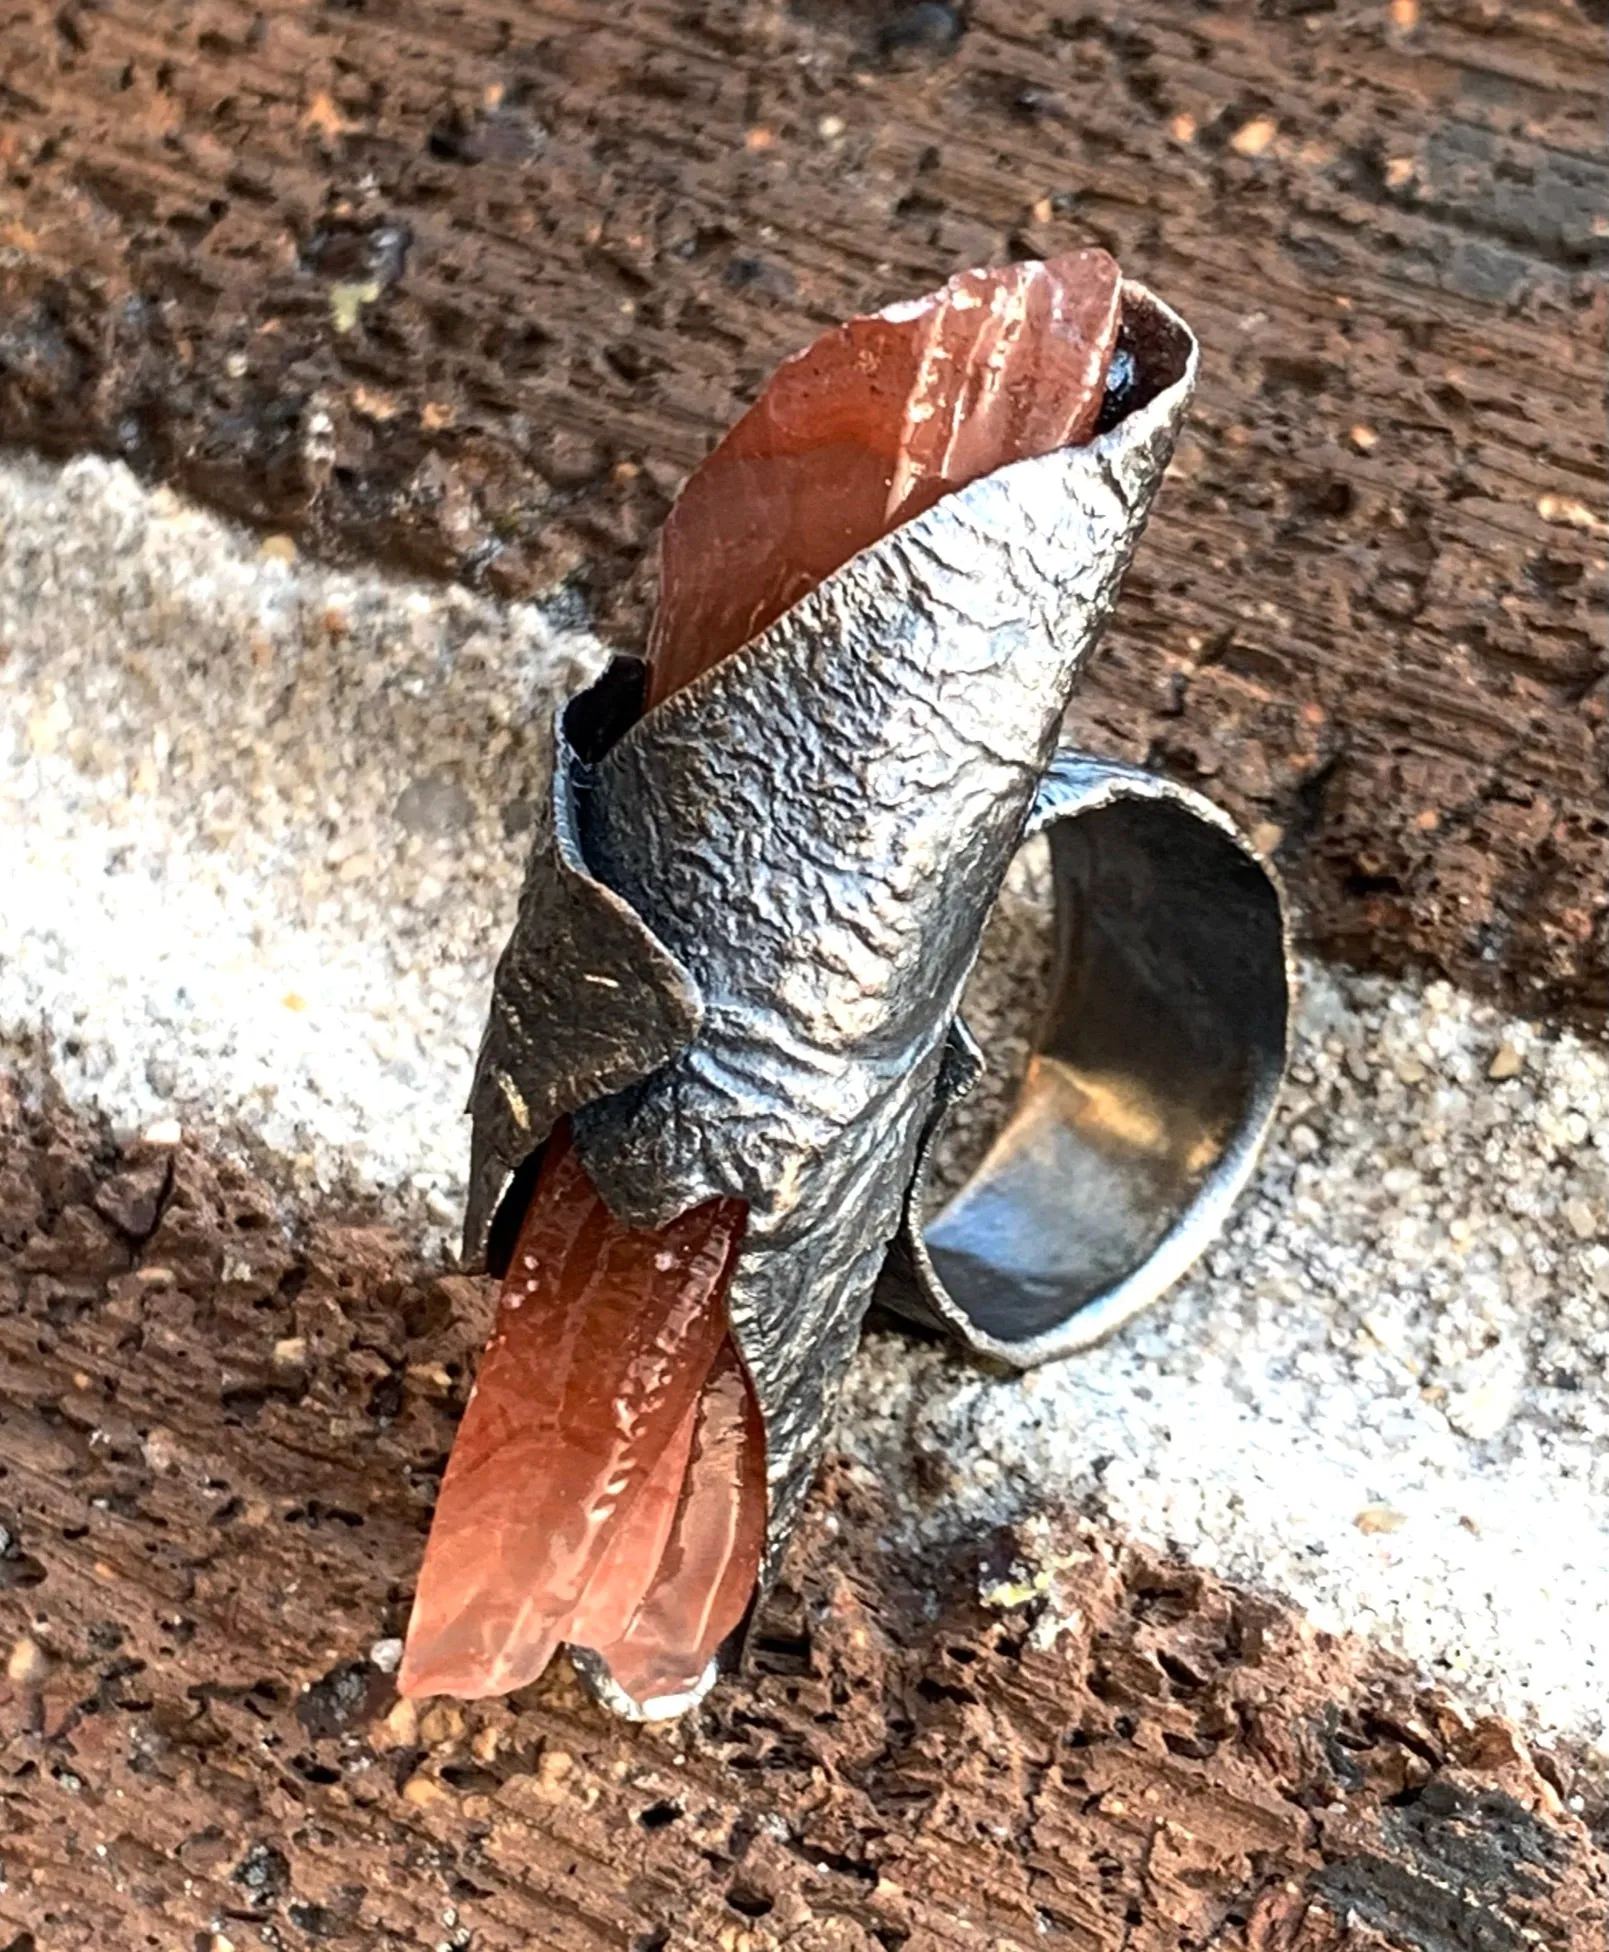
[[1153, 1079]]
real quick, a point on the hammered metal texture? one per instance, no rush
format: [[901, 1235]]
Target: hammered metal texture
[[586, 998], [817, 828]]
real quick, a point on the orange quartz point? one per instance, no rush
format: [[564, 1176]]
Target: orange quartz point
[[712, 1557], [636, 1545], [604, 1336], [867, 427]]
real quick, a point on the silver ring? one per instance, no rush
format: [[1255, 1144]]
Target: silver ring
[[1149, 1091]]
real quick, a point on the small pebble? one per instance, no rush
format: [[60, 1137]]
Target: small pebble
[[27, 1665], [930, 25], [441, 1724], [386, 1655], [1580, 1218], [1570, 513], [161, 1448], [1507, 1063], [1253, 137], [1482, 1412]]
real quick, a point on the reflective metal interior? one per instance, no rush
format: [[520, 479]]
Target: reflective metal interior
[[1152, 1082]]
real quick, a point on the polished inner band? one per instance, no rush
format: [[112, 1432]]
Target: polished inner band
[[1151, 1086]]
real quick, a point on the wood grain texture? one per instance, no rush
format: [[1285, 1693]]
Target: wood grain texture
[[473, 286], [219, 1442]]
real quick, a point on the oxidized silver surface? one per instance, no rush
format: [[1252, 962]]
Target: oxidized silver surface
[[1153, 1079], [749, 916]]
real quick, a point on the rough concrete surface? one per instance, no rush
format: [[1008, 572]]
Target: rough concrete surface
[[261, 828], [264, 824]]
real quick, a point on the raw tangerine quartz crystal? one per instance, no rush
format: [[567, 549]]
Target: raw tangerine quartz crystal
[[575, 1495], [607, 1486], [870, 426]]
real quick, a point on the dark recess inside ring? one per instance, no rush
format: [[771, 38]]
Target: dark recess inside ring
[[1168, 1025]]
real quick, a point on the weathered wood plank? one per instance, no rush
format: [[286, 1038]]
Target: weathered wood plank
[[472, 287], [218, 1448]]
